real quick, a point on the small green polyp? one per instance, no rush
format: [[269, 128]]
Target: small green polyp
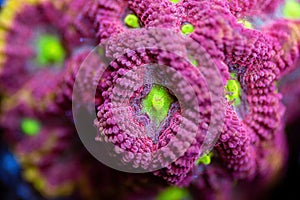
[[187, 28], [193, 61], [291, 9], [157, 104], [50, 50], [173, 193], [205, 159], [30, 126], [132, 21], [234, 88], [175, 1], [246, 23]]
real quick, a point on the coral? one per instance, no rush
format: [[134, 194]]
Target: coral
[[30, 126], [288, 61], [173, 193], [38, 140], [287, 43], [187, 28], [234, 89], [290, 92], [261, 8], [291, 9], [21, 110], [186, 91], [88, 79], [248, 54], [236, 148], [132, 21], [49, 50], [157, 104], [205, 159], [211, 182], [111, 127], [110, 14]]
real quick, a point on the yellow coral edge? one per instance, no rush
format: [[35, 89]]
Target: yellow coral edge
[[294, 38], [33, 175]]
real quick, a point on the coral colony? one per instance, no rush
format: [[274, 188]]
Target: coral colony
[[150, 95]]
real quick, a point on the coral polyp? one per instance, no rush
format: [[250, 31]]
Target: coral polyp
[[30, 126], [132, 21], [49, 50], [234, 89], [157, 104], [291, 9]]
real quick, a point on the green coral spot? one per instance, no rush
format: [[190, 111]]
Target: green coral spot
[[277, 86], [175, 1], [173, 193], [193, 61], [50, 50], [132, 20], [246, 23], [30, 126], [101, 51], [291, 9], [205, 159], [234, 89], [157, 104], [187, 28]]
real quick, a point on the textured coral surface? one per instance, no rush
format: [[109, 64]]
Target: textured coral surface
[[148, 99]]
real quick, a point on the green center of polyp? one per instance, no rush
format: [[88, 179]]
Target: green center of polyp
[[49, 50], [30, 126], [132, 21], [234, 89], [173, 193], [175, 1], [187, 28], [157, 104], [205, 159], [291, 9]]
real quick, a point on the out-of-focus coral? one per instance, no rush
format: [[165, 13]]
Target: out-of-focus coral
[[36, 35], [291, 96], [242, 8], [289, 38], [40, 138], [159, 130]]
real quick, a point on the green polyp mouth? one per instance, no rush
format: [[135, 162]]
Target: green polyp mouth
[[173, 193], [30, 126], [50, 50], [187, 28], [291, 9], [234, 89], [157, 104], [132, 21], [193, 61], [175, 1], [205, 159], [246, 23]]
